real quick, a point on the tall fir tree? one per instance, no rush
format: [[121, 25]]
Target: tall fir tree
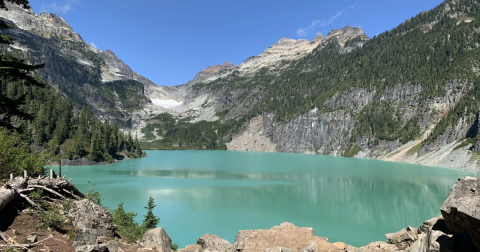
[[14, 70], [150, 221]]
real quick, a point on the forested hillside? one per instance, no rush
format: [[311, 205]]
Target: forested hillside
[[60, 130], [414, 85]]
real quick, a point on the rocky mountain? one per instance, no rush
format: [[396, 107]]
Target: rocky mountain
[[80, 72], [405, 95]]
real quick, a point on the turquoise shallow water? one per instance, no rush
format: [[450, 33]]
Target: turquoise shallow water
[[218, 192]]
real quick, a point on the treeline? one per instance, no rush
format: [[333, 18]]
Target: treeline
[[63, 131]]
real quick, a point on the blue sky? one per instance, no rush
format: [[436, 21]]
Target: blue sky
[[169, 41]]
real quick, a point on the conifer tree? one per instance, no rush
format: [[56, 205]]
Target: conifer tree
[[14, 70], [150, 221]]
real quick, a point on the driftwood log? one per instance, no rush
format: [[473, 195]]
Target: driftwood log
[[16, 187]]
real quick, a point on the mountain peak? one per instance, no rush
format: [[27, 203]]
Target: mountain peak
[[319, 38], [347, 33]]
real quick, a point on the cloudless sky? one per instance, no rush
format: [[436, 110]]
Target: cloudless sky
[[169, 41]]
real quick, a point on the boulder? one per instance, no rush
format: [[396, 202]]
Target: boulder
[[379, 247], [340, 245], [439, 241], [32, 238], [112, 246], [277, 249], [149, 250], [91, 248], [436, 223], [157, 238], [213, 243], [461, 209], [319, 245], [286, 236], [85, 215], [193, 248], [421, 244], [403, 238], [87, 236]]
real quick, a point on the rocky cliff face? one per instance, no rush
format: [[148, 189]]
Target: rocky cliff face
[[84, 74], [330, 124]]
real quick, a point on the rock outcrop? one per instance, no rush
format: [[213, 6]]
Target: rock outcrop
[[461, 209], [91, 218], [157, 239], [213, 243], [286, 235]]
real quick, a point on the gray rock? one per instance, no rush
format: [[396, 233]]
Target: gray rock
[[461, 209], [214, 243], [439, 241], [318, 245], [436, 223], [157, 238], [87, 236], [193, 248], [286, 235], [86, 215], [32, 238], [406, 234], [91, 248], [277, 249], [112, 246], [421, 244], [379, 247]]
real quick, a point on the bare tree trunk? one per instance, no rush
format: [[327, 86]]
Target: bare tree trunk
[[6, 196], [16, 186]]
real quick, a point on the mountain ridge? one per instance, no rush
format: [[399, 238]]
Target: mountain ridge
[[404, 95]]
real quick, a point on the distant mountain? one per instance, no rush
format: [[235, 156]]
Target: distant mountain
[[409, 95]]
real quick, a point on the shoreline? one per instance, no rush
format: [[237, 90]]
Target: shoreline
[[87, 162], [309, 153]]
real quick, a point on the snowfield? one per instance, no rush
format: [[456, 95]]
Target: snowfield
[[166, 103]]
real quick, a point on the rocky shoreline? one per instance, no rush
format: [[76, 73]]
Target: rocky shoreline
[[457, 229], [93, 230], [87, 162]]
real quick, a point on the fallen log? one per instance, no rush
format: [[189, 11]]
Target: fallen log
[[55, 183], [47, 189], [25, 246], [29, 200], [4, 237], [15, 187], [9, 191]]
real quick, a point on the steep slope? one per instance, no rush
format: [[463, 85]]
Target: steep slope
[[82, 73], [406, 95]]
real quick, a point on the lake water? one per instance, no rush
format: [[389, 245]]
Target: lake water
[[219, 192]]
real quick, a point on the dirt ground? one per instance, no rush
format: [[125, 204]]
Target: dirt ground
[[18, 226], [26, 224]]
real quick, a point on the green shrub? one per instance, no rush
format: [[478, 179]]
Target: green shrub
[[128, 228], [352, 151], [16, 156]]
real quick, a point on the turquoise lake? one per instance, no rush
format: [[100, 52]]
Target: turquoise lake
[[220, 192]]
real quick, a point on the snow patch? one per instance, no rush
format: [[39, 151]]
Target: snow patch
[[166, 103]]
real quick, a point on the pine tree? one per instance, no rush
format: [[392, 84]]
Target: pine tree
[[14, 70], [150, 221]]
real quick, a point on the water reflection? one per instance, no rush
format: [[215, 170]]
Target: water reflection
[[355, 201]]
